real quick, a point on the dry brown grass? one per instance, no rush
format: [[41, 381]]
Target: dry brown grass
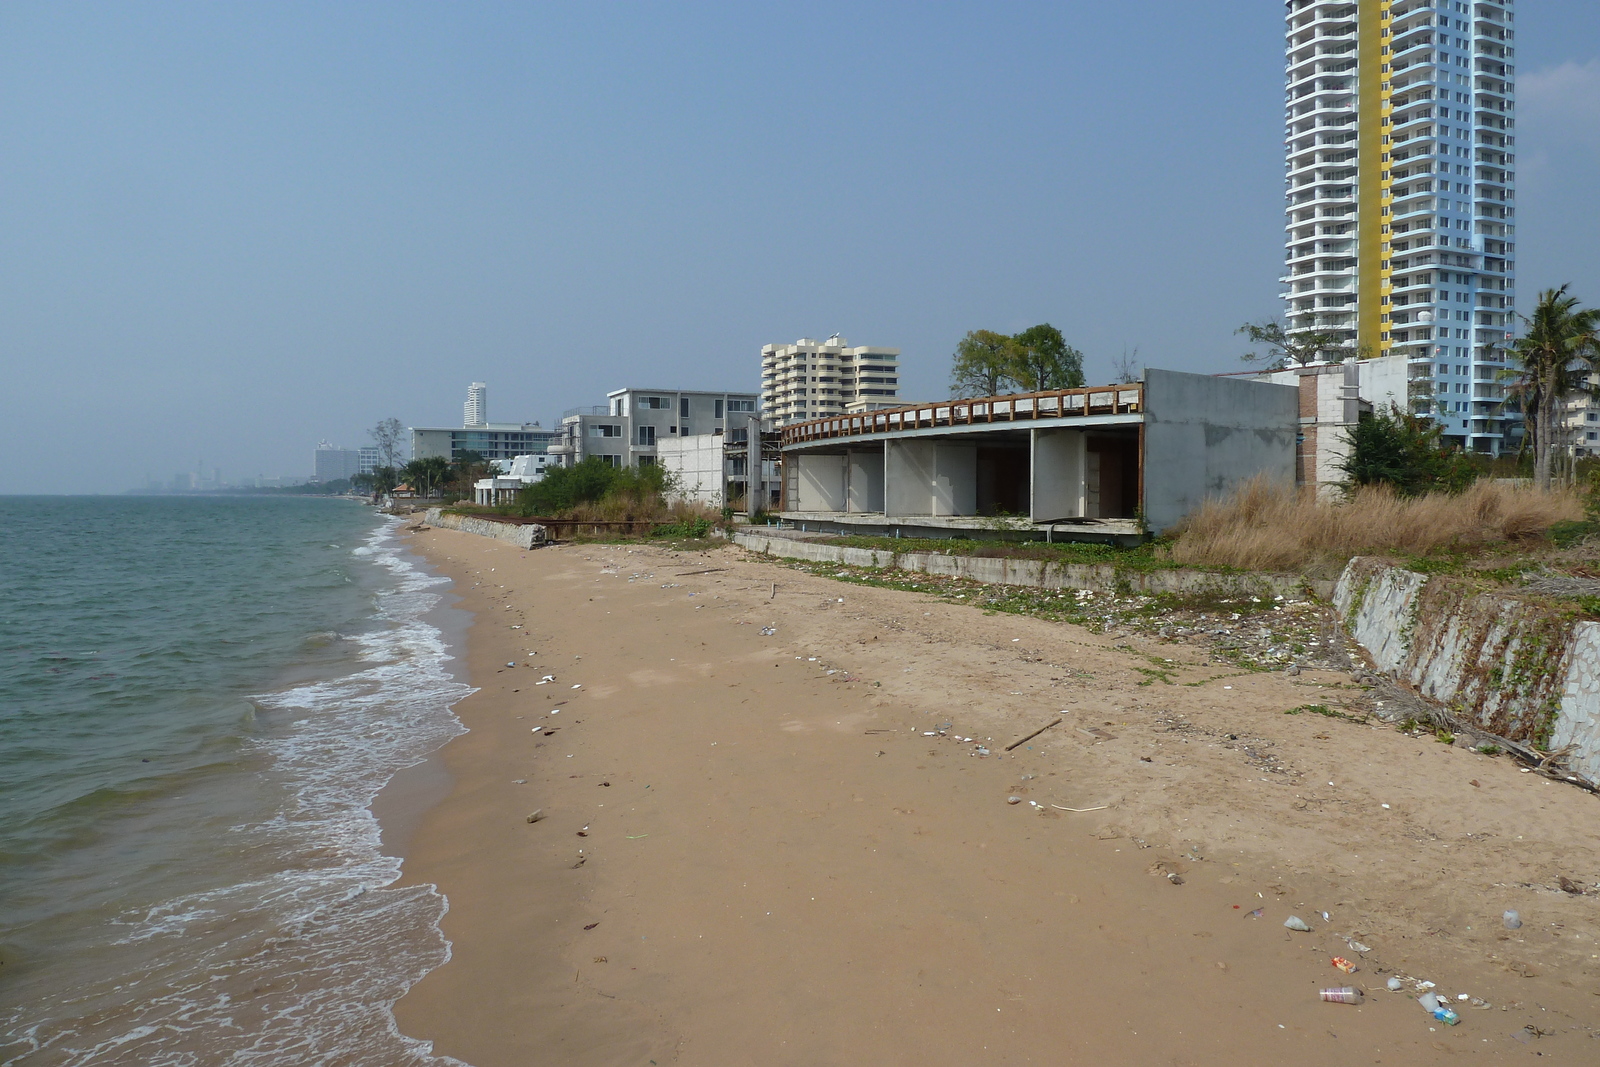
[[1266, 526]]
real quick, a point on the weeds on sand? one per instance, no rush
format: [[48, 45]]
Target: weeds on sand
[[1249, 633]]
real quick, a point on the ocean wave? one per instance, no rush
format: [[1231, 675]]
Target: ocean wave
[[303, 962]]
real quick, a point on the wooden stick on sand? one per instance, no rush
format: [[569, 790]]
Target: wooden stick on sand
[[1031, 736]]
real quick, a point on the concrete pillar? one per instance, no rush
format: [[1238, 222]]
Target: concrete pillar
[[865, 481], [821, 483], [1059, 475]]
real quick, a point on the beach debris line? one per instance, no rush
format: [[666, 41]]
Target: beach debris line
[[1031, 736]]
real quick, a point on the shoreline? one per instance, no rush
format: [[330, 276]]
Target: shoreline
[[946, 925]]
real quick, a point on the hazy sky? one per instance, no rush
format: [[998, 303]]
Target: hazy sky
[[229, 230]]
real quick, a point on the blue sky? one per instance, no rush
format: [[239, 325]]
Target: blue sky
[[230, 230]]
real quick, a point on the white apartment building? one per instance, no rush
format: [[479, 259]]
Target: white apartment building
[[624, 432], [1401, 187], [475, 412], [812, 380]]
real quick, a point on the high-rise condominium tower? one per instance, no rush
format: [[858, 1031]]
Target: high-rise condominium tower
[[1401, 192], [812, 380], [475, 412]]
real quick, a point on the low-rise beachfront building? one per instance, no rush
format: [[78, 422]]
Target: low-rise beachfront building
[[1113, 462], [626, 431], [723, 469], [502, 486]]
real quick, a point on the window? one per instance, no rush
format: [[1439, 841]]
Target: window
[[647, 435], [611, 461], [683, 407], [647, 461], [742, 405], [738, 437], [718, 414], [602, 429], [655, 403]]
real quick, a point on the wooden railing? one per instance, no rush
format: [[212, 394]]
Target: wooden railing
[[1020, 407]]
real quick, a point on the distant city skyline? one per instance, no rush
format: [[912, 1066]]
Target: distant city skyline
[[235, 230]]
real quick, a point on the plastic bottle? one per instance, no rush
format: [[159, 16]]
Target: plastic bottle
[[1341, 995], [1447, 1016]]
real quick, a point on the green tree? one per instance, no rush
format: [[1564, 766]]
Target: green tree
[[1407, 453], [984, 363], [1041, 359], [1292, 349], [564, 488], [1557, 356], [469, 466], [384, 479], [426, 475]]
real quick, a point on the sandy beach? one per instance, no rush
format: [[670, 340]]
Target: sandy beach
[[776, 848]]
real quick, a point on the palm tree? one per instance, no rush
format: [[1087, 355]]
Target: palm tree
[[1557, 357], [426, 475]]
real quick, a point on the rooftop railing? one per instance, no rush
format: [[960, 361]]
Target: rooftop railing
[[1127, 399]]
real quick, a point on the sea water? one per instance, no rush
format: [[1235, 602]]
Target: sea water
[[199, 700]]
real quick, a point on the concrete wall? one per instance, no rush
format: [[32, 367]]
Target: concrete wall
[[1058, 475], [822, 482], [1505, 665], [1100, 578], [907, 477], [1205, 435], [865, 481], [930, 477], [527, 535], [697, 463]]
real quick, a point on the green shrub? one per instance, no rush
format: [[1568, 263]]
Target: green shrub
[[1397, 449]]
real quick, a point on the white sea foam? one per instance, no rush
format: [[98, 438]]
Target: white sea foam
[[303, 963]]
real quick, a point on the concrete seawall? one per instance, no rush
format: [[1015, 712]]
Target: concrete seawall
[[1043, 574], [528, 535], [1509, 666]]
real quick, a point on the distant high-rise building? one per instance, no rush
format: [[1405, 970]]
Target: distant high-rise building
[[811, 380], [475, 412], [1401, 190], [333, 464], [367, 459]]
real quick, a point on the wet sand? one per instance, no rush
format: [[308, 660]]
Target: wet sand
[[753, 852]]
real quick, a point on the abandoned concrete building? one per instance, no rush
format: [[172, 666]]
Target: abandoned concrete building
[[1104, 463]]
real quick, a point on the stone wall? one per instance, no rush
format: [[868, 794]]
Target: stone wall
[[528, 535], [1509, 666], [1101, 578]]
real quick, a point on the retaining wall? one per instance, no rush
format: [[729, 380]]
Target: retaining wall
[[526, 535], [1509, 666], [1044, 574]]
